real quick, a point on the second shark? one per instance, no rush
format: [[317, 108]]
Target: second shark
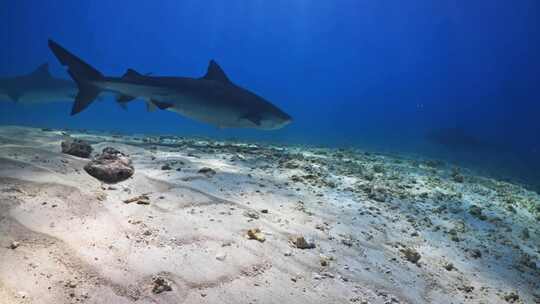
[[36, 88]]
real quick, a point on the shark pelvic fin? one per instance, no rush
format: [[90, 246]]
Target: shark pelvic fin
[[123, 106], [42, 71], [161, 105], [150, 107], [124, 98], [215, 72]]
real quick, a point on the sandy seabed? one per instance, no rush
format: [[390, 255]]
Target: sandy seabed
[[386, 229]]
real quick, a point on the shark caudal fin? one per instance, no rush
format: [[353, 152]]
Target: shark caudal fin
[[82, 73]]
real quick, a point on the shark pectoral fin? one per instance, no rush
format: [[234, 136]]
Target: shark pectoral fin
[[254, 118], [161, 105], [124, 98], [150, 107]]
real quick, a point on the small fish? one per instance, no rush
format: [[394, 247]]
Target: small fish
[[211, 99]]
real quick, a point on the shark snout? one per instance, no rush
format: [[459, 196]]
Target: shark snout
[[282, 121]]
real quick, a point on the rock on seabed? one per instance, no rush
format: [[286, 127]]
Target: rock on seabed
[[76, 147], [111, 166]]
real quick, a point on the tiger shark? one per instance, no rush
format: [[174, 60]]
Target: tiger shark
[[212, 99], [37, 87]]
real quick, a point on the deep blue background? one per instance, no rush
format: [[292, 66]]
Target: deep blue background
[[376, 74]]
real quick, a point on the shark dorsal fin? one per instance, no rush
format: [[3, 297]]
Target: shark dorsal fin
[[130, 74], [215, 72], [42, 71]]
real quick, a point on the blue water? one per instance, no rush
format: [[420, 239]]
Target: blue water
[[372, 74]]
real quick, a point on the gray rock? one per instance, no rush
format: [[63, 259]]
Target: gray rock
[[449, 266], [476, 211], [251, 214], [511, 297], [76, 147], [209, 172], [111, 166], [221, 256], [476, 253], [411, 255], [525, 234], [378, 193], [160, 285], [457, 176]]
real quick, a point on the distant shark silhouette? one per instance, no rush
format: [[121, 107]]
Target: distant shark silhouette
[[458, 138], [37, 87], [212, 99]]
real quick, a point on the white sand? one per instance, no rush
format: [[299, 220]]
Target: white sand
[[79, 243]]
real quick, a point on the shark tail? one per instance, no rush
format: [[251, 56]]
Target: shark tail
[[82, 73]]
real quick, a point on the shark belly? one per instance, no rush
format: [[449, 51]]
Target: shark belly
[[41, 96], [187, 104], [134, 90], [207, 111]]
